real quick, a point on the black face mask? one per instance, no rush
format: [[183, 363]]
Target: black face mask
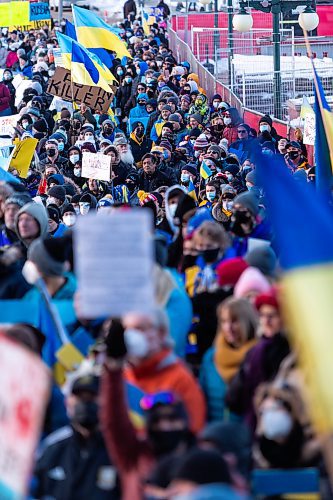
[[51, 152], [293, 155], [210, 255], [139, 132], [108, 130], [188, 261], [218, 127], [238, 219], [166, 441], [130, 186], [86, 414]]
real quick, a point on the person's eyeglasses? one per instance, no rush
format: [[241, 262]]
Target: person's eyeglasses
[[241, 131]]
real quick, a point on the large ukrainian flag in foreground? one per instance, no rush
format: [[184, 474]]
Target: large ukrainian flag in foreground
[[303, 224], [95, 34], [324, 138], [83, 69]]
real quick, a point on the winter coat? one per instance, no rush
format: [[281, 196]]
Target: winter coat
[[152, 182], [4, 97], [213, 386], [123, 97], [139, 149], [3, 57], [129, 8]]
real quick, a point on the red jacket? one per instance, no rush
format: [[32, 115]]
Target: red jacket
[[230, 133], [11, 59], [4, 97], [166, 372]]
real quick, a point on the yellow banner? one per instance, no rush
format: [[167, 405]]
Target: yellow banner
[[32, 25], [22, 156], [14, 13]]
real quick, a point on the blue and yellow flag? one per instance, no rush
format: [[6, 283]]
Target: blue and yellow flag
[[96, 35], [324, 138], [84, 70], [205, 171], [70, 30], [191, 191], [65, 44], [302, 223]]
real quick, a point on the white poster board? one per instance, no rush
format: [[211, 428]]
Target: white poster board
[[24, 382], [309, 134], [7, 124], [96, 166], [114, 263]]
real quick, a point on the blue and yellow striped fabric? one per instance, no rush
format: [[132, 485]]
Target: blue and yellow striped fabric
[[302, 220], [205, 171], [84, 70], [95, 34]]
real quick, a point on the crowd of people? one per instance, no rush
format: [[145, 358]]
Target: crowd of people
[[222, 391]]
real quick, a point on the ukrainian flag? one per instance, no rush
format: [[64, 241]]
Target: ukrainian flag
[[65, 44], [144, 18], [191, 191], [84, 70], [324, 138], [70, 30], [96, 35], [205, 171], [302, 222]]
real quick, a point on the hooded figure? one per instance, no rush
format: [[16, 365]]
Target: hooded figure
[[87, 203], [31, 223], [201, 107], [231, 121], [139, 142], [139, 111]]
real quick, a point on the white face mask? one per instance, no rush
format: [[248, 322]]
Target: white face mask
[[197, 154], [77, 172], [227, 205], [185, 177], [216, 104], [30, 273], [136, 343], [77, 210], [51, 201], [84, 207], [264, 128], [69, 219], [74, 159], [172, 209], [227, 120], [276, 423], [89, 138]]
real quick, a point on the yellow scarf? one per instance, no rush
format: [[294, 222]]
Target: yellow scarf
[[228, 359]]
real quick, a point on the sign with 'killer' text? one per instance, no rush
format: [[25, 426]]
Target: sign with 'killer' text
[[60, 85]]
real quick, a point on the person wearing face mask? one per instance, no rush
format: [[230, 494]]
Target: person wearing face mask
[[153, 367], [5, 100], [7, 80], [120, 74], [68, 215], [263, 361], [246, 222], [52, 156], [222, 211], [210, 244], [123, 97], [139, 112], [211, 195], [189, 173], [231, 120], [25, 123], [87, 203], [74, 463], [267, 132], [107, 130], [139, 142], [295, 158]]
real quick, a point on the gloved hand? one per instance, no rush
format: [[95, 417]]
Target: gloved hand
[[114, 341]]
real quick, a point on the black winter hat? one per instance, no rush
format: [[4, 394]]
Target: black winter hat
[[266, 119], [67, 208], [57, 192], [53, 213], [40, 125], [191, 167], [76, 198]]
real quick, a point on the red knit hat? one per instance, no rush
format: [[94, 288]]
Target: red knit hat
[[270, 299], [230, 270]]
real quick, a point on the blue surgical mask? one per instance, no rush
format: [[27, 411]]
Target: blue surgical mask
[[211, 196], [61, 146], [185, 177], [120, 72], [264, 128], [128, 79], [267, 152]]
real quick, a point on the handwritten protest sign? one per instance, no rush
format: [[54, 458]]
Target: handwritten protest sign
[[24, 382], [96, 166], [7, 124], [309, 134], [115, 277], [60, 85]]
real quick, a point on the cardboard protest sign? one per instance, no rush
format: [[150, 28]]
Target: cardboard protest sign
[[96, 166], [14, 12], [60, 85], [309, 134], [24, 382], [32, 25], [7, 124], [22, 156], [114, 259]]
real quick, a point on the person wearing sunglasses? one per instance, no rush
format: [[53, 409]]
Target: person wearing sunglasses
[[244, 144]]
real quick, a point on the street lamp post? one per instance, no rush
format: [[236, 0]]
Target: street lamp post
[[308, 20]]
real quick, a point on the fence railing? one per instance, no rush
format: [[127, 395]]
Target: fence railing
[[213, 86]]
